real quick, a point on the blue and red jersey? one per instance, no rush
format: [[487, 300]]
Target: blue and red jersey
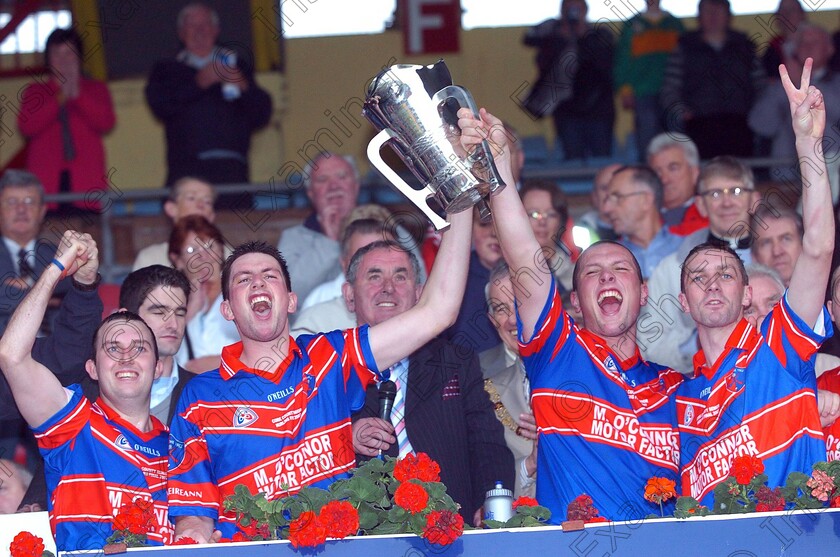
[[758, 399], [830, 381], [606, 425], [95, 462], [273, 430]]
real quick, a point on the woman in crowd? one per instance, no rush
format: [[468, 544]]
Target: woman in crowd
[[64, 118], [196, 249]]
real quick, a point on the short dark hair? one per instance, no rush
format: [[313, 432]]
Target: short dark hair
[[137, 285], [724, 3], [559, 201], [126, 316], [254, 246], [708, 246], [62, 36], [765, 213], [16, 178], [356, 261], [576, 272]]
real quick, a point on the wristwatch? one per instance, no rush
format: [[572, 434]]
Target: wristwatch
[[87, 287]]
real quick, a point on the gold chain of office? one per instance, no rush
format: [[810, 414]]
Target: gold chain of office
[[502, 413]]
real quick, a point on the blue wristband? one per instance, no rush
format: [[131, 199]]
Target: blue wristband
[[58, 264]]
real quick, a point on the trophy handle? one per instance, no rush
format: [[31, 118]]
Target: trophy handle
[[417, 197], [482, 152]]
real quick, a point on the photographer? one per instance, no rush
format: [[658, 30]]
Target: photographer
[[575, 83]]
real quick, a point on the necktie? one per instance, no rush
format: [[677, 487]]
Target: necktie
[[66, 135], [25, 270], [398, 412]]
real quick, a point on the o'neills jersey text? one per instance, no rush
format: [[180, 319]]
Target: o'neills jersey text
[[272, 432]]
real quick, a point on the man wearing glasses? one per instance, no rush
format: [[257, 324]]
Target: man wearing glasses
[[633, 206], [725, 194], [22, 256]]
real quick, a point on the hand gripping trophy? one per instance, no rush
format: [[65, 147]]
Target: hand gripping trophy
[[415, 107]]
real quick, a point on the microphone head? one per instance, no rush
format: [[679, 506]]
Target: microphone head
[[387, 390]]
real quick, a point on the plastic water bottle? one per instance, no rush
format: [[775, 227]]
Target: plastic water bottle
[[498, 504]]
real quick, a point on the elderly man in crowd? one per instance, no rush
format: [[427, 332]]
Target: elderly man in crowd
[[312, 248], [209, 104], [674, 158], [188, 196], [632, 204]]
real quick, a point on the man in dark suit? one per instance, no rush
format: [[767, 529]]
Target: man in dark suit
[[22, 260], [22, 256], [444, 410]]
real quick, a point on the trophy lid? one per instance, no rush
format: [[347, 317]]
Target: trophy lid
[[434, 77]]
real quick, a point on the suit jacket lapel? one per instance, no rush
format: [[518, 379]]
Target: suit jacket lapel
[[424, 377]]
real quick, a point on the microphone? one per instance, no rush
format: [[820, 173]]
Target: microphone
[[387, 394]]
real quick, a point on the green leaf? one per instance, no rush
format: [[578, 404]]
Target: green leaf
[[417, 523], [368, 516], [388, 528], [397, 514], [436, 490], [313, 498], [367, 490], [493, 524], [537, 511]]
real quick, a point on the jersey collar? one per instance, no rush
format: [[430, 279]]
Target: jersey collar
[[113, 416], [231, 364], [600, 350], [741, 338]]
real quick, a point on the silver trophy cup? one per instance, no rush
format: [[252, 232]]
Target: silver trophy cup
[[414, 107]]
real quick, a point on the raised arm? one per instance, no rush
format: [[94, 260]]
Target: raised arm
[[437, 308], [810, 275], [38, 393], [530, 274]]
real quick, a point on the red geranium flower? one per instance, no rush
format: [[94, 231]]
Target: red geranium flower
[[417, 467], [136, 518], [253, 530], [186, 540], [411, 497], [340, 519], [26, 544], [443, 527], [745, 468], [835, 502], [583, 508], [769, 499], [306, 531], [525, 502]]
